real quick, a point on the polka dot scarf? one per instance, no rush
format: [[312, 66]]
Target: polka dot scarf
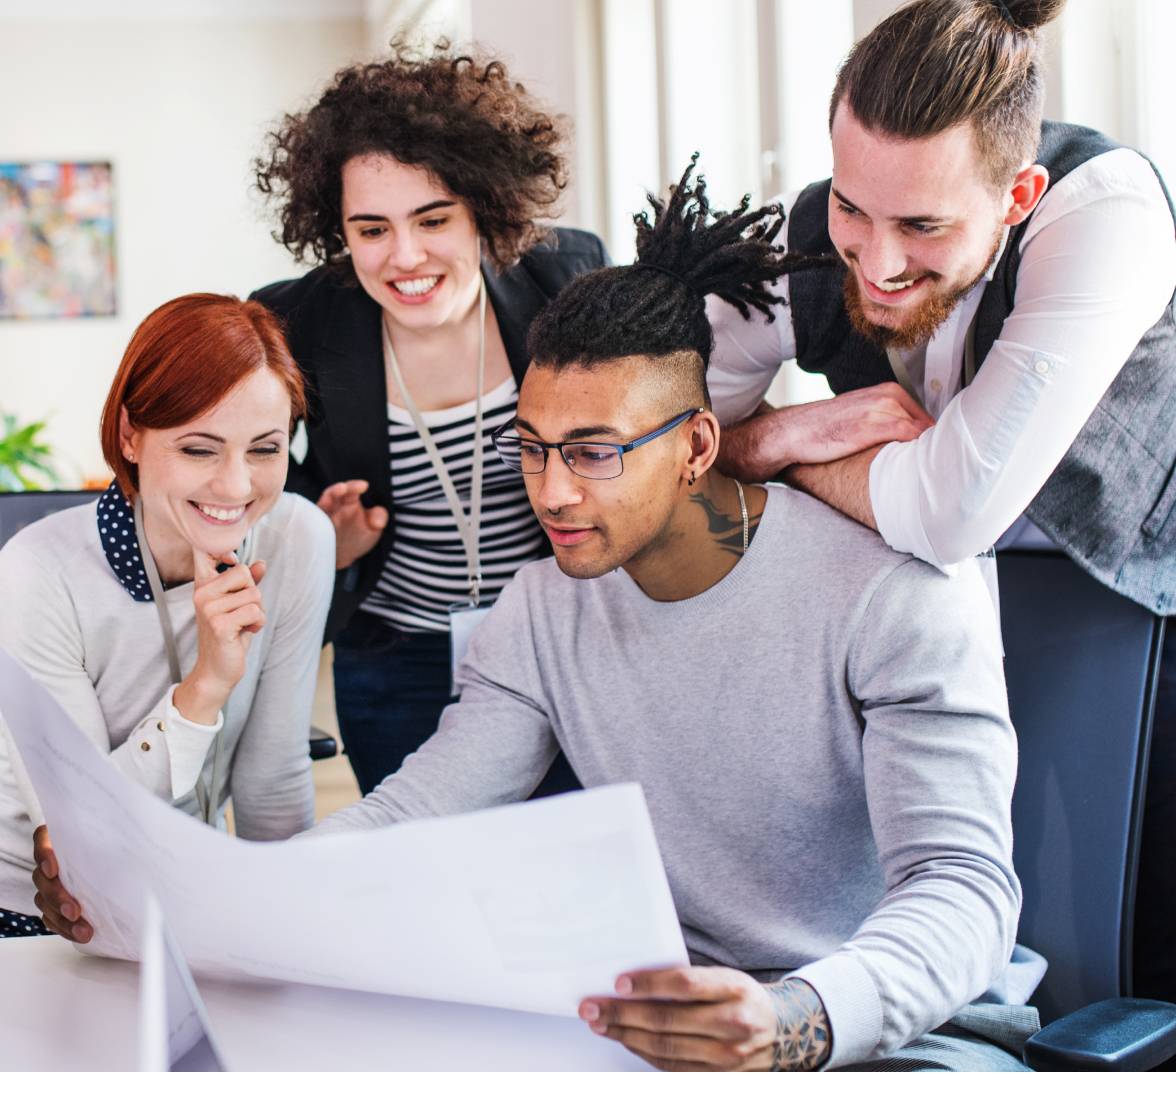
[[116, 530], [14, 925]]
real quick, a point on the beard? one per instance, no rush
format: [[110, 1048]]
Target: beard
[[921, 324]]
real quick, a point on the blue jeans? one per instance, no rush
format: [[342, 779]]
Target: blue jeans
[[390, 690], [954, 1049]]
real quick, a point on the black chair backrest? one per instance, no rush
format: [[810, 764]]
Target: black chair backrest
[[21, 508], [1081, 663]]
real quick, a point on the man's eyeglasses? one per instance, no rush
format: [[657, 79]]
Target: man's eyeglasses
[[588, 459]]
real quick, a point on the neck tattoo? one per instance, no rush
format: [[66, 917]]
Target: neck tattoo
[[732, 534]]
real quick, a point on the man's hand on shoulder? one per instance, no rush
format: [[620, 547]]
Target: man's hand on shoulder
[[711, 1018], [820, 432]]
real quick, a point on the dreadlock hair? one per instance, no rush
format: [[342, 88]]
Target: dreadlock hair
[[656, 307]]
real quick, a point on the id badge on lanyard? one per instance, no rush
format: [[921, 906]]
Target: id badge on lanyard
[[464, 617]]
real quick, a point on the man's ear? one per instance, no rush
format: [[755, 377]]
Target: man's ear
[[128, 437], [1028, 188], [704, 442]]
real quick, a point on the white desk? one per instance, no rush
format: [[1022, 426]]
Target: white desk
[[60, 1010]]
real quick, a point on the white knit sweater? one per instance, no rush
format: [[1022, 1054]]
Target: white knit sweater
[[66, 617]]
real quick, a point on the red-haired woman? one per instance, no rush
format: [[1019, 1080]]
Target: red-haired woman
[[179, 624]]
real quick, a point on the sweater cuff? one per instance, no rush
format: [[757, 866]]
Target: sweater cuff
[[167, 751], [187, 745], [851, 1004]]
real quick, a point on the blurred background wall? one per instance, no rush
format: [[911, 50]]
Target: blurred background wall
[[178, 95]]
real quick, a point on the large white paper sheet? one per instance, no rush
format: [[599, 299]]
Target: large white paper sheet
[[532, 906], [174, 1032]]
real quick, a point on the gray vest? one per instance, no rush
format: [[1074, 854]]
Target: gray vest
[[1110, 501]]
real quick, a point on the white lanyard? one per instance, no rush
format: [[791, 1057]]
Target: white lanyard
[[205, 797], [468, 526]]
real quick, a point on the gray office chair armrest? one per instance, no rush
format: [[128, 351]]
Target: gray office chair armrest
[[1121, 1034]]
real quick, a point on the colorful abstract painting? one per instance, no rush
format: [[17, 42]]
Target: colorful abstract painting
[[56, 240]]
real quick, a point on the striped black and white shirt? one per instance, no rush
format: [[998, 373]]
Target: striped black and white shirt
[[426, 570]]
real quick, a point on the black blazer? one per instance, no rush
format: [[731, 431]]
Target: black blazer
[[334, 334]]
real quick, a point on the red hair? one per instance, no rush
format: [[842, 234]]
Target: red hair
[[183, 359]]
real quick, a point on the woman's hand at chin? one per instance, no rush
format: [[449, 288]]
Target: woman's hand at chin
[[228, 613]]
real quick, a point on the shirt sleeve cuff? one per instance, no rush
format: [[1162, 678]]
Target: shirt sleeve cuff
[[184, 744], [187, 746], [851, 1004], [894, 498]]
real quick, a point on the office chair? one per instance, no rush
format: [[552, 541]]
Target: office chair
[[1081, 664], [21, 508]]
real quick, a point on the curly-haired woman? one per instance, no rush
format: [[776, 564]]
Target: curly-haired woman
[[418, 184]]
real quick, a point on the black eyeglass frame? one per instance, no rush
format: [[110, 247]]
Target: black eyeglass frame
[[502, 434]]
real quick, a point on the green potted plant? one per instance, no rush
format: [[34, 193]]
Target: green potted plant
[[24, 457]]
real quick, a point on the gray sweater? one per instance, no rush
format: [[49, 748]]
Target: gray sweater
[[823, 740]]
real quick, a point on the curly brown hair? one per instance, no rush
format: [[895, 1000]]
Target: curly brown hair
[[459, 116]]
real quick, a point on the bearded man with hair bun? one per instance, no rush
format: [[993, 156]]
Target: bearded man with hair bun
[[1000, 337]]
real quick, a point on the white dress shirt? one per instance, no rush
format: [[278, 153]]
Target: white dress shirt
[[1098, 266]]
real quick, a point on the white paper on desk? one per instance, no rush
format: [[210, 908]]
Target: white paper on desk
[[174, 1032], [532, 906]]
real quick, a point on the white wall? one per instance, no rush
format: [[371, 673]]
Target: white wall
[[539, 42], [1155, 31], [180, 103], [180, 107]]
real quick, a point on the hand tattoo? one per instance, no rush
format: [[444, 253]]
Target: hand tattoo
[[725, 528], [802, 1027]]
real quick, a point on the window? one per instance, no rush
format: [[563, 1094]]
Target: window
[[744, 83]]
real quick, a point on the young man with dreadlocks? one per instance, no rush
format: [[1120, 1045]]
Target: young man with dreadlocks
[[1016, 277], [819, 723]]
